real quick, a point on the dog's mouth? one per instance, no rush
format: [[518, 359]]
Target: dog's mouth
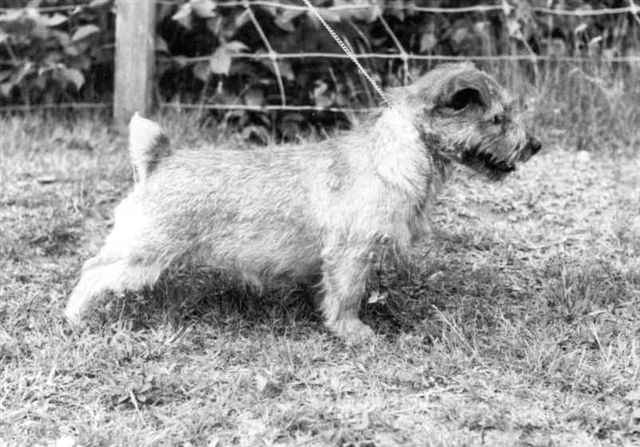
[[487, 164]]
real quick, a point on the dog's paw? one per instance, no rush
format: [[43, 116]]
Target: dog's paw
[[74, 315], [352, 331]]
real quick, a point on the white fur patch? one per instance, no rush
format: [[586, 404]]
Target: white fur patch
[[143, 136], [399, 149]]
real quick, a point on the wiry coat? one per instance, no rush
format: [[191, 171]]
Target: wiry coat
[[296, 212]]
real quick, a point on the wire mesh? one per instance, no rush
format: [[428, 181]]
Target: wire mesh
[[402, 54]]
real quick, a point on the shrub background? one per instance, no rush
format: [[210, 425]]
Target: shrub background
[[50, 54]]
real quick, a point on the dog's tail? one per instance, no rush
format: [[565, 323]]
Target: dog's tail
[[148, 144]]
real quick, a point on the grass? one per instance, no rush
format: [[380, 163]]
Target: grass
[[519, 328]]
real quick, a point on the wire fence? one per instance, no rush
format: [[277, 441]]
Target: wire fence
[[503, 7], [269, 54]]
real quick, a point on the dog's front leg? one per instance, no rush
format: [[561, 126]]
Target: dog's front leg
[[345, 272]]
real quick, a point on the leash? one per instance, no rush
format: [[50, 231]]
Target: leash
[[347, 51]]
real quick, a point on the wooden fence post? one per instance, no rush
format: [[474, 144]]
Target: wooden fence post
[[135, 58]]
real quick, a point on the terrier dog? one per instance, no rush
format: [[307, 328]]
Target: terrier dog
[[313, 210]]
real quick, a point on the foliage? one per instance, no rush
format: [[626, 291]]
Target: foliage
[[67, 53], [205, 29], [218, 35], [54, 55]]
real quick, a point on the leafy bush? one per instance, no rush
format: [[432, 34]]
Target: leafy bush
[[51, 56], [199, 28], [563, 94], [67, 54]]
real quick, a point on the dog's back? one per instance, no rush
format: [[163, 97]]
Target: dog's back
[[147, 145]]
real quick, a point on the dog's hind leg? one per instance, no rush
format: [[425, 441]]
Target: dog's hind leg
[[127, 261]]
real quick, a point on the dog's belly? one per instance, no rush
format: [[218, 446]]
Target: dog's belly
[[263, 260], [266, 242], [270, 252]]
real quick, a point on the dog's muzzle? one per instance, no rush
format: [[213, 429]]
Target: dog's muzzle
[[532, 147], [484, 162]]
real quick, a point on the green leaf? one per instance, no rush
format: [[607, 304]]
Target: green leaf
[[82, 63], [26, 69], [62, 37], [12, 15], [183, 15], [459, 35], [242, 18], [84, 31], [203, 8], [368, 14], [180, 60], [99, 3], [284, 20], [72, 50], [580, 28], [513, 27], [254, 97], [284, 67], [202, 71], [161, 45], [6, 88], [285, 70], [54, 20], [53, 58], [428, 42], [164, 9], [235, 46], [215, 25], [270, 9], [220, 61], [319, 95], [41, 82], [73, 76], [329, 15]]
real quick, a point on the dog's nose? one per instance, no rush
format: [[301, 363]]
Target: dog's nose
[[534, 145]]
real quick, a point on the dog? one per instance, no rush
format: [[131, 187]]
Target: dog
[[307, 211]]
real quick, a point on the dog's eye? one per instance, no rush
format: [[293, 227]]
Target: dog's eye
[[498, 119]]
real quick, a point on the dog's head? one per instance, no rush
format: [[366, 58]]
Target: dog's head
[[464, 115]]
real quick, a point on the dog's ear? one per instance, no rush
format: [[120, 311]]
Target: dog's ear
[[467, 88], [463, 98]]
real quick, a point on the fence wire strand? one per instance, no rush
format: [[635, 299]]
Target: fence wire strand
[[503, 6], [266, 108], [414, 57]]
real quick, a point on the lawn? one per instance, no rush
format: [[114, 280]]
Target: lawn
[[520, 325]]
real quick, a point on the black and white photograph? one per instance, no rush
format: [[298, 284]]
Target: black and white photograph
[[275, 223]]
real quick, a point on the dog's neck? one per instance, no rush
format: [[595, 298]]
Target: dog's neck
[[400, 155]]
